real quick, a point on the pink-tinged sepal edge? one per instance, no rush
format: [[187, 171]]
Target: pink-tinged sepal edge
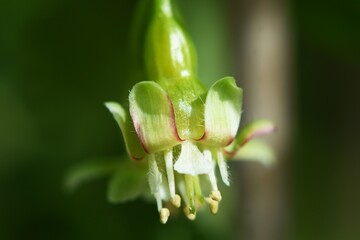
[[249, 132]]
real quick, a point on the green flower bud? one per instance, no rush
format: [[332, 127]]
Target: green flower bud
[[170, 55]]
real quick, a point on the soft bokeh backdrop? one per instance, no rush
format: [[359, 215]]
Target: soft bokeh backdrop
[[61, 59]]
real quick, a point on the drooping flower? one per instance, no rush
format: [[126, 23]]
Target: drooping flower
[[182, 130]]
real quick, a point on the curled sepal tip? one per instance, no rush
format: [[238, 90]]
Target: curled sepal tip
[[251, 130], [153, 116], [122, 117], [222, 112], [258, 151]]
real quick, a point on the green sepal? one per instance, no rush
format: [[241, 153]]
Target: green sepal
[[256, 150], [122, 117], [153, 116], [128, 182], [188, 101], [88, 171], [251, 130], [222, 112]]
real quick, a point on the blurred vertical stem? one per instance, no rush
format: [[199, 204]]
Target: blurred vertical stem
[[263, 58]]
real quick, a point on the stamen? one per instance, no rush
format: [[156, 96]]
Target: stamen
[[164, 215], [158, 201], [180, 182], [216, 195], [155, 180], [212, 178], [175, 199], [223, 168], [213, 205]]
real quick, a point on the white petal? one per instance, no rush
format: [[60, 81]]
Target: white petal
[[191, 161]]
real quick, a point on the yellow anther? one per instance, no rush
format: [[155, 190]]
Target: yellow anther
[[176, 201], [164, 215], [216, 195], [213, 205]]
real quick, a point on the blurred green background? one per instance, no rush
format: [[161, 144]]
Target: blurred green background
[[61, 59]]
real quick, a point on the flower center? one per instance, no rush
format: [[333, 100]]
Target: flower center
[[194, 170]]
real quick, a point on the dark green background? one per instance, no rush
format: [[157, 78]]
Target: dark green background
[[61, 59]]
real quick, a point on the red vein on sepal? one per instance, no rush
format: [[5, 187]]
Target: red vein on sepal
[[141, 137], [231, 139], [203, 136], [228, 154], [266, 130], [206, 133], [173, 122], [138, 131]]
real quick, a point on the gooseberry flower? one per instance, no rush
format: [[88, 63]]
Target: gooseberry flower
[[181, 129]]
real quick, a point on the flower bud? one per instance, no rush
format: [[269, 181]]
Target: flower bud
[[170, 55]]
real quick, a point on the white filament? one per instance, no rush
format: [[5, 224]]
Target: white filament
[[170, 172], [211, 174], [155, 180]]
